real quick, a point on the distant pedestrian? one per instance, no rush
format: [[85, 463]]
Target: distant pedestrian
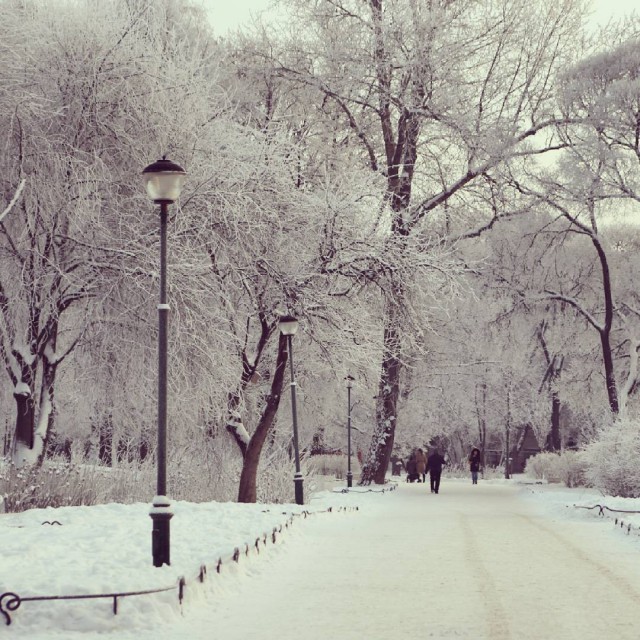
[[434, 467], [474, 464], [412, 468], [421, 465]]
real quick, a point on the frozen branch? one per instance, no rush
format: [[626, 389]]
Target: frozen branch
[[15, 198], [552, 295]]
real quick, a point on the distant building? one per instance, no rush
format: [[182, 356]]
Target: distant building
[[523, 444], [526, 446]]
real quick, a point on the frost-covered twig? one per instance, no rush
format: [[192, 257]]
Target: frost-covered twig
[[16, 195]]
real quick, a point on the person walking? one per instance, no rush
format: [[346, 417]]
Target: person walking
[[421, 465], [474, 464], [411, 466], [434, 467]]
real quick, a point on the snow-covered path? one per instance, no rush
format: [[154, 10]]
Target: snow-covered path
[[494, 561], [479, 562]]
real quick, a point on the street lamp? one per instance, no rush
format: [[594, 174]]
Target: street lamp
[[507, 466], [507, 469], [349, 380], [288, 327], [163, 180]]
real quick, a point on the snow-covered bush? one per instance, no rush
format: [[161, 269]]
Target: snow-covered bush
[[58, 484], [195, 473], [571, 468], [543, 466], [567, 467], [457, 470], [612, 459], [334, 465], [275, 477], [490, 473]]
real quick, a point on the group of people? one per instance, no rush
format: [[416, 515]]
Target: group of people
[[419, 465]]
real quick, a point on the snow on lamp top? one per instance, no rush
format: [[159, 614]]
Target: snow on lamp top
[[288, 325], [163, 180]]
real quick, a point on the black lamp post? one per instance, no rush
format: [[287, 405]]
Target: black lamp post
[[163, 180], [507, 466], [349, 380], [288, 327]]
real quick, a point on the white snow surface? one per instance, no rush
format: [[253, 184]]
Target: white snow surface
[[493, 561]]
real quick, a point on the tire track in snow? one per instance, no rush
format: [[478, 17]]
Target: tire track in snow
[[496, 615], [621, 584]]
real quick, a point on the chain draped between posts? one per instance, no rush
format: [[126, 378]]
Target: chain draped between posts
[[10, 601], [617, 519], [392, 487]]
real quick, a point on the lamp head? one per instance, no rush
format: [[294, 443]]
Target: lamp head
[[163, 180], [288, 325]]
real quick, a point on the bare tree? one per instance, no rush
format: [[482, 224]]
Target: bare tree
[[73, 127], [434, 97]]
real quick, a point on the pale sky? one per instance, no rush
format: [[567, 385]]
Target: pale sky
[[605, 10], [229, 14]]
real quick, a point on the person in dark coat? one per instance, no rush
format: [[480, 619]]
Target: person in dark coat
[[474, 464], [434, 468], [421, 465], [412, 473]]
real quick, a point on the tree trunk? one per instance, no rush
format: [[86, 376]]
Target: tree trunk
[[481, 411], [248, 478], [47, 403], [25, 416], [234, 425], [551, 378], [609, 372], [605, 332], [34, 422], [377, 462], [553, 441]]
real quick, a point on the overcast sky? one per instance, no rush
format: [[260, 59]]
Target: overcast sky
[[229, 14]]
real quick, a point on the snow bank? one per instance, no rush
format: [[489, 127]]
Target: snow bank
[[106, 549]]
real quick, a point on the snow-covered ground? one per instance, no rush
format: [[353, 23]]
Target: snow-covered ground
[[494, 561]]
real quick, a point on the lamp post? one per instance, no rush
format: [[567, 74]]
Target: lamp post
[[349, 380], [288, 327], [163, 180], [507, 466]]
